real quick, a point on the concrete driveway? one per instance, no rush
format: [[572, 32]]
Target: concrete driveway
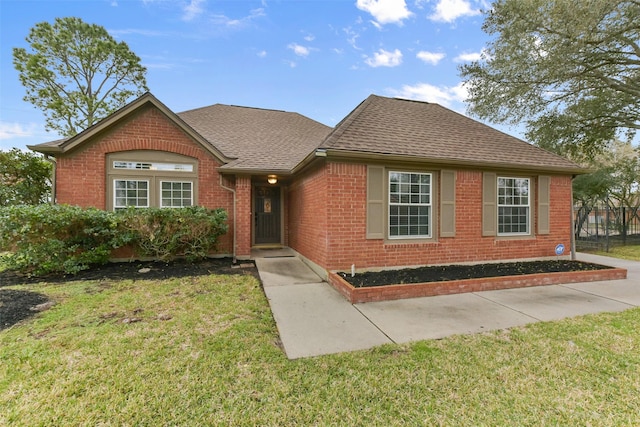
[[314, 319]]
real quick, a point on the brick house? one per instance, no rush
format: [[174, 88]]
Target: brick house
[[395, 183]]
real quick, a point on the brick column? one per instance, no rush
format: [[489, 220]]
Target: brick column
[[244, 217]]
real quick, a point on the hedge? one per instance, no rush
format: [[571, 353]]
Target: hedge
[[46, 239]]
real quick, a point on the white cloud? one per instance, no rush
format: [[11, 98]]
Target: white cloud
[[383, 58], [299, 50], [225, 21], [469, 57], [443, 95], [430, 57], [385, 11], [450, 10], [310, 38], [10, 130], [352, 37], [262, 54], [192, 10]]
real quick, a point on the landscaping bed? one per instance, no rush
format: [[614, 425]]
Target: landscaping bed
[[452, 279]]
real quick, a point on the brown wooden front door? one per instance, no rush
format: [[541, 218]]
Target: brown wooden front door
[[267, 215]]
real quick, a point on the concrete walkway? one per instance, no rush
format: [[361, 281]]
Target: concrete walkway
[[314, 319]]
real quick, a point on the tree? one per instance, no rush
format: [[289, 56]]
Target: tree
[[77, 73], [616, 177], [570, 70], [25, 178]]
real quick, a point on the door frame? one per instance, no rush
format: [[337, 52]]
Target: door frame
[[253, 211]]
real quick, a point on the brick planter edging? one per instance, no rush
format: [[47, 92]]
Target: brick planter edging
[[414, 290]]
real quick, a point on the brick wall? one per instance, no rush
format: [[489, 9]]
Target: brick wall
[[81, 174], [307, 214], [344, 242]]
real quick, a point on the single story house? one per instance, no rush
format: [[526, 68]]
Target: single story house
[[395, 183]]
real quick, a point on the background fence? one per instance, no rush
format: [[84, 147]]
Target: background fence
[[603, 225]]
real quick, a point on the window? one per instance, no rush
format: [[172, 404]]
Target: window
[[156, 166], [151, 178], [175, 194], [513, 206], [130, 193], [409, 205]]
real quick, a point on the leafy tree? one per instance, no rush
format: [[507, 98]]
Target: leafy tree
[[25, 178], [77, 73], [569, 69], [616, 176]]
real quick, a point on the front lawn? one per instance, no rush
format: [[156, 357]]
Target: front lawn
[[631, 252], [203, 350]]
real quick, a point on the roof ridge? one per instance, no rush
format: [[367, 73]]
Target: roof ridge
[[235, 106], [345, 123]]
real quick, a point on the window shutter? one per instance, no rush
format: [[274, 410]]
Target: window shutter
[[447, 203], [489, 203], [375, 202], [544, 204]]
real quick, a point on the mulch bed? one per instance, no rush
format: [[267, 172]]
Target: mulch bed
[[458, 272], [18, 305]]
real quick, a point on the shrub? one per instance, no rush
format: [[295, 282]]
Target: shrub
[[58, 238], [49, 239], [165, 234]]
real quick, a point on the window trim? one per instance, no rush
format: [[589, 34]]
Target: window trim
[[185, 169], [528, 206], [429, 205]]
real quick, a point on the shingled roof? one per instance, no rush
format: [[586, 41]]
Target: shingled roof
[[271, 141], [258, 139], [425, 131]]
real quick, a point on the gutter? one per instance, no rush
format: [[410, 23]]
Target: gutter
[[54, 164], [235, 225]]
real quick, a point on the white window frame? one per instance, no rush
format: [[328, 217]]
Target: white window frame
[[126, 180], [173, 181], [409, 204], [504, 204]]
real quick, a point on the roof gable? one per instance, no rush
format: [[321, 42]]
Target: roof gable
[[65, 145], [426, 131]]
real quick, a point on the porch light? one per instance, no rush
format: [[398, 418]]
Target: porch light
[[272, 179]]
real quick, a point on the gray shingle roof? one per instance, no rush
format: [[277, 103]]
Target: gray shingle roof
[[267, 140], [429, 131]]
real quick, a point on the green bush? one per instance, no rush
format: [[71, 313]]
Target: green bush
[[165, 234], [59, 238], [46, 239]]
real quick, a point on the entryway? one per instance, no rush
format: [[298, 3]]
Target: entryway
[[267, 215]]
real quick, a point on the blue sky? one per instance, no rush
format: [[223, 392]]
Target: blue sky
[[317, 58]]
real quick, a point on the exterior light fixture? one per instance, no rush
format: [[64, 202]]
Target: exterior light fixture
[[272, 179]]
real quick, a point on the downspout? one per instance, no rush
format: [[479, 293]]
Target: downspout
[[235, 227], [54, 164], [573, 225]]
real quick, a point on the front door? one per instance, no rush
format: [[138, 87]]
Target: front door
[[267, 215]]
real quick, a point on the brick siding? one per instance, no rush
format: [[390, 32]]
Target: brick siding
[[328, 220], [81, 174]]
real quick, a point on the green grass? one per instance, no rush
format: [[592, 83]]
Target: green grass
[[623, 252], [204, 352]]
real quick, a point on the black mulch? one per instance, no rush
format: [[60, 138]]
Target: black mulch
[[458, 272], [17, 305]]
